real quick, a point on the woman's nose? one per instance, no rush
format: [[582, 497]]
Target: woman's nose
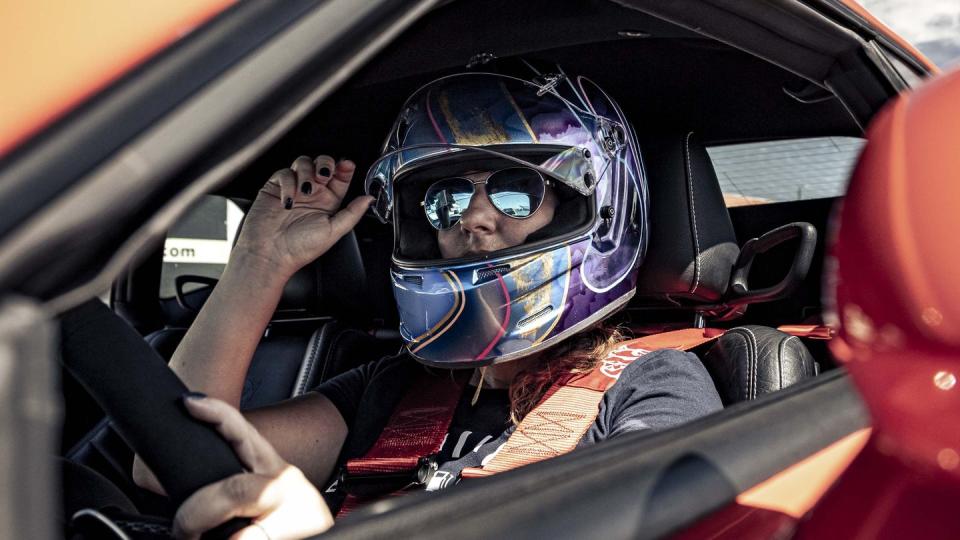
[[480, 215]]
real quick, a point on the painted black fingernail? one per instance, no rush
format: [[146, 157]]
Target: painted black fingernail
[[194, 395], [306, 188], [324, 171], [288, 203]]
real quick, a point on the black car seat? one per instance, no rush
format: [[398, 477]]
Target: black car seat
[[690, 263], [320, 329], [322, 306]]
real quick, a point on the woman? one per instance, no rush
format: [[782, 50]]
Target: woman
[[519, 214]]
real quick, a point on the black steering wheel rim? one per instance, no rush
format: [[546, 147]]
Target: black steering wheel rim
[[132, 383]]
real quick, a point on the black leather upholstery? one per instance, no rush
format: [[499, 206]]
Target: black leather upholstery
[[749, 361], [315, 333], [288, 360], [165, 341], [339, 346], [333, 285], [272, 374], [692, 242], [285, 362], [692, 251]]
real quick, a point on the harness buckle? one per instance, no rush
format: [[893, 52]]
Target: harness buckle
[[375, 484], [426, 469]]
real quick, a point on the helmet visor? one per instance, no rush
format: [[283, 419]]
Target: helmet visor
[[504, 117]]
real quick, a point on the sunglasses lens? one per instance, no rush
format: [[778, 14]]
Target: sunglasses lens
[[517, 192], [446, 200]]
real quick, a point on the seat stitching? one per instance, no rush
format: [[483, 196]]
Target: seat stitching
[[329, 349], [314, 359], [754, 361], [801, 355], [693, 214], [746, 344], [780, 352], [308, 365]]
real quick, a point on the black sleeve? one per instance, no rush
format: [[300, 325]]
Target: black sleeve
[[346, 390], [660, 390]]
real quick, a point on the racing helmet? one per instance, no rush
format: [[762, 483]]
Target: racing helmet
[[545, 128]]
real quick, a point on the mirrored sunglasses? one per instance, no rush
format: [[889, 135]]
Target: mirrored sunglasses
[[516, 192]]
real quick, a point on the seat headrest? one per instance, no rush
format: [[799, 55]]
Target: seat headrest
[[333, 285], [693, 246]]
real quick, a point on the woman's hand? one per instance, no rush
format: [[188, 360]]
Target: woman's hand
[[281, 502], [296, 216]]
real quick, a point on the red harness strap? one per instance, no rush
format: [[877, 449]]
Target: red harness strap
[[401, 457], [812, 331], [413, 434]]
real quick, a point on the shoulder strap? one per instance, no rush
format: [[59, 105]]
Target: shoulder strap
[[569, 408], [418, 425], [414, 433]]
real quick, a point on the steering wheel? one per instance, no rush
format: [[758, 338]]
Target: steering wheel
[[138, 391]]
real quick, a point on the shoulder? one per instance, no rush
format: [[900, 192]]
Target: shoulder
[[347, 390], [658, 390], [664, 367]]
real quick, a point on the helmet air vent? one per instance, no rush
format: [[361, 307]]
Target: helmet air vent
[[486, 274], [414, 279], [536, 317]]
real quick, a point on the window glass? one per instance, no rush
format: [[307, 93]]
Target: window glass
[[785, 170], [199, 244]]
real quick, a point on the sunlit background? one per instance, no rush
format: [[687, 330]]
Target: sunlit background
[[933, 26]]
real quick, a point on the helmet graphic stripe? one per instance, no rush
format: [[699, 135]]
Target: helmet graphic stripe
[[520, 115], [563, 302], [433, 120], [506, 317], [447, 321]]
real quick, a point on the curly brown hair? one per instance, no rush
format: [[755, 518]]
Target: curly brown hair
[[577, 354]]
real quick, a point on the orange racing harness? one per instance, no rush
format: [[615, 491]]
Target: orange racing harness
[[404, 454]]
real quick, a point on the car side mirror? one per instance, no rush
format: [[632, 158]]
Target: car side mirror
[[739, 292]]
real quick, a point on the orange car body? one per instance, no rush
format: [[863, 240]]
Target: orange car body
[[59, 54]]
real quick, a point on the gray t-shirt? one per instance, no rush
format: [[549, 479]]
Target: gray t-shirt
[[659, 390]]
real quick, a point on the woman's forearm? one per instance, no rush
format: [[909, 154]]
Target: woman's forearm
[[295, 218], [214, 355]]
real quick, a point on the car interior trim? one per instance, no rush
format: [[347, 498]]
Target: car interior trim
[[782, 32]]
